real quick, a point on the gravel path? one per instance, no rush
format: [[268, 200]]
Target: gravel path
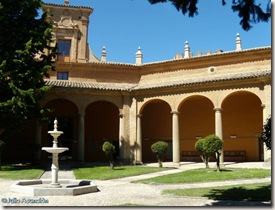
[[121, 191]]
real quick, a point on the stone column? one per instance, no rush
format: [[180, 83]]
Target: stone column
[[218, 129], [175, 137], [139, 141], [121, 137], [81, 137]]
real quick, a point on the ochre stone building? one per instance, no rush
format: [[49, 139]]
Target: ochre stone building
[[134, 105]]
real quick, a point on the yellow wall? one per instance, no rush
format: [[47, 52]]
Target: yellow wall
[[242, 116], [197, 118]]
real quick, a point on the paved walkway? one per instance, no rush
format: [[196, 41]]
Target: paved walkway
[[121, 191]]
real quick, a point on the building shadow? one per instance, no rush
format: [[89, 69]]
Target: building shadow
[[240, 196]]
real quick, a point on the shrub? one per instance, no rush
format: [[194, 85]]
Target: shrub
[[199, 146], [109, 150], [266, 135], [210, 145], [159, 148]]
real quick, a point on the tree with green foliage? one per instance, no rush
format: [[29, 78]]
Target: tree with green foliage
[[210, 146], [26, 57], [248, 10], [213, 144], [199, 146], [109, 150], [266, 134], [159, 148]]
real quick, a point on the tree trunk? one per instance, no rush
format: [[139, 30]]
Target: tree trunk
[[160, 163], [111, 165], [206, 161], [218, 161], [206, 164]]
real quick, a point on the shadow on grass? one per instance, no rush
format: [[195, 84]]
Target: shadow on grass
[[241, 196]]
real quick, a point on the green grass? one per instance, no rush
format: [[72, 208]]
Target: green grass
[[261, 191], [104, 172], [207, 175], [20, 172]]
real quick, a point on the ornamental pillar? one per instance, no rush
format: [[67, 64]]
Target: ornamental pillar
[[175, 136]]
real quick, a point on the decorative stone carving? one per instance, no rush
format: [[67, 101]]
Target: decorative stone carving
[[66, 21]]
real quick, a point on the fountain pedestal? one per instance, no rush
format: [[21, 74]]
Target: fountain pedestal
[[55, 150]]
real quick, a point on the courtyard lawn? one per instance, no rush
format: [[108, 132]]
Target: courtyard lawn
[[207, 175], [104, 172], [20, 172], [259, 191]]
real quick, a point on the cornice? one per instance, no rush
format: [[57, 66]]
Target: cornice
[[225, 58], [63, 6]]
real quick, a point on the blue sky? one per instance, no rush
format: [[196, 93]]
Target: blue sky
[[161, 31]]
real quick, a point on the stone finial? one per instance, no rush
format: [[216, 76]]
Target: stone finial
[[139, 57], [208, 52], [66, 2], [103, 55], [238, 42], [186, 50], [55, 124]]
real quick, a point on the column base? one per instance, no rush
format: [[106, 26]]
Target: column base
[[55, 185]]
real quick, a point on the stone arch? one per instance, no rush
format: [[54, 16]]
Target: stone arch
[[115, 101], [196, 120], [156, 125], [143, 104], [101, 123], [225, 94], [66, 113], [182, 100], [242, 121], [54, 97]]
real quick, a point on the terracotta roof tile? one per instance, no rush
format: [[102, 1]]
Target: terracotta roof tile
[[157, 84]]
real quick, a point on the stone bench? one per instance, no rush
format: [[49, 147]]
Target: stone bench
[[229, 156], [234, 156]]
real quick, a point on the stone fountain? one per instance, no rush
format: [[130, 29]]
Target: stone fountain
[[55, 150], [45, 187]]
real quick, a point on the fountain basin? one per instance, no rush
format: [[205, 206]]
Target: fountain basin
[[56, 150], [42, 187]]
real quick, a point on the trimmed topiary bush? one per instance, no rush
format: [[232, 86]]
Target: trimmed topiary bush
[[109, 150], [199, 146], [209, 146], [159, 148]]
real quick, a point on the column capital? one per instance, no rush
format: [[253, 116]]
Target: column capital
[[121, 115], [217, 109], [263, 106], [139, 115], [175, 112], [81, 113]]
